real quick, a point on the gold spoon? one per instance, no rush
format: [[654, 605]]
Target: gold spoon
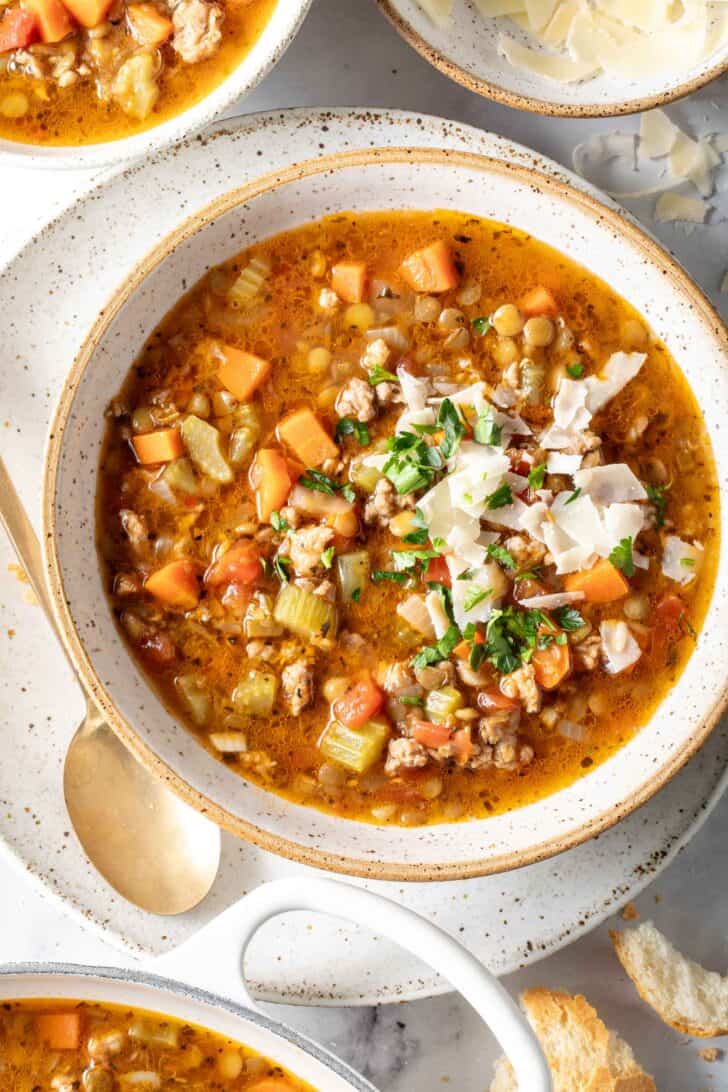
[[155, 850]]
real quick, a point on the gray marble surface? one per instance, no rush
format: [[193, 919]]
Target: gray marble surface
[[348, 55]]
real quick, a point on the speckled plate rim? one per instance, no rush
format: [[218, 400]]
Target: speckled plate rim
[[246, 829], [490, 90]]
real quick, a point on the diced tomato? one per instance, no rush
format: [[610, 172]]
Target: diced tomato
[[494, 699], [429, 734], [437, 572], [18, 29], [240, 565], [668, 623], [360, 702]]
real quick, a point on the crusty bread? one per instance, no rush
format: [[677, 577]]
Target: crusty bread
[[584, 1056], [686, 996]]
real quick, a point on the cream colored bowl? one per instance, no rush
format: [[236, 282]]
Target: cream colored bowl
[[598, 238], [277, 35], [467, 51]]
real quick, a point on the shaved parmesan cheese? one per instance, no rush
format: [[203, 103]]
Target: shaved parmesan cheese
[[508, 516], [539, 12], [469, 603], [465, 544], [415, 613], [568, 556], [570, 405], [675, 206], [681, 560], [533, 518], [551, 602], [554, 438], [557, 463], [610, 484], [623, 521], [657, 134], [415, 390], [695, 161], [504, 396], [439, 11], [579, 519], [547, 65], [437, 613], [556, 31], [621, 650], [620, 369], [410, 418]]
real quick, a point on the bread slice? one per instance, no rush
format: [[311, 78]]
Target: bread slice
[[685, 995], [584, 1056]]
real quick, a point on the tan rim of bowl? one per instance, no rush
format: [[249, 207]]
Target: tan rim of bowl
[[243, 828], [495, 91]]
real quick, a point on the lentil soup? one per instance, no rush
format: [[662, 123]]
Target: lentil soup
[[408, 517], [67, 1046], [89, 71]]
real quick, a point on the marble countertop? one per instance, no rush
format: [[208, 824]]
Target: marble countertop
[[426, 1045]]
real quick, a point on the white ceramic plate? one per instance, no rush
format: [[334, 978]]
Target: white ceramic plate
[[467, 51], [39, 704]]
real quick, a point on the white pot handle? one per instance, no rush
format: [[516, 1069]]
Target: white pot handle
[[236, 927]]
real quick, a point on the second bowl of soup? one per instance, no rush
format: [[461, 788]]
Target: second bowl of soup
[[407, 516]]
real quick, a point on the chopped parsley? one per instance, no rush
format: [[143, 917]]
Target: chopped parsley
[[281, 565], [412, 463], [419, 536], [433, 654], [688, 562], [468, 574], [356, 595], [574, 495], [568, 618], [481, 325], [575, 370], [502, 496], [656, 495], [409, 699], [476, 595], [486, 431], [385, 574], [511, 637], [536, 476], [451, 422], [406, 560], [349, 426], [278, 523], [381, 375], [327, 557], [621, 557], [502, 556], [314, 479]]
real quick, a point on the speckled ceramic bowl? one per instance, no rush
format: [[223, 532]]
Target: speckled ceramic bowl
[[278, 34], [467, 51], [591, 234]]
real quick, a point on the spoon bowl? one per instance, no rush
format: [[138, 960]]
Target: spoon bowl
[[155, 850]]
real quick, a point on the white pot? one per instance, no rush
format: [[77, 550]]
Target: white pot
[[217, 952], [597, 237]]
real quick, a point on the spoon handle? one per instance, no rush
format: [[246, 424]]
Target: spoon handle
[[25, 542]]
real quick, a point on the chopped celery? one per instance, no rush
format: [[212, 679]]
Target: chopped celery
[[366, 477], [305, 614], [255, 694], [229, 743], [259, 620], [159, 1035], [242, 443], [356, 748], [249, 282], [352, 571], [180, 475], [195, 697], [204, 446], [440, 705]]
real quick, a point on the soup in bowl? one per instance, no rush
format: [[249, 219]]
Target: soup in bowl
[[409, 518]]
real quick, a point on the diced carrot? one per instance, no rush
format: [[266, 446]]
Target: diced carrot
[[158, 447], [462, 650], [539, 301], [89, 13], [60, 1030], [238, 565], [429, 734], [175, 584], [18, 29], [462, 746], [53, 19], [430, 269], [149, 26], [307, 438], [603, 583], [496, 699], [668, 623], [270, 478], [360, 702], [551, 665], [242, 373], [348, 280]]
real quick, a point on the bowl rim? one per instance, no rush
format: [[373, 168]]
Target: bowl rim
[[531, 103], [125, 150], [76, 648]]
